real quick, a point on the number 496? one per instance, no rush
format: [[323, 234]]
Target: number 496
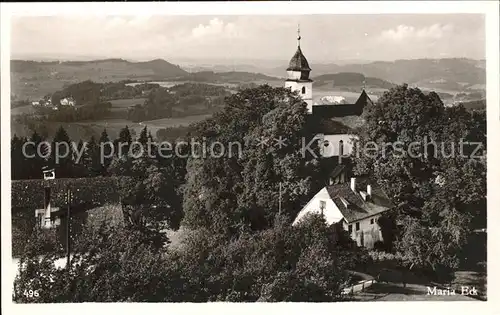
[[31, 293]]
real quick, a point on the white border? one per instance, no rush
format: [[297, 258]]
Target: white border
[[489, 8]]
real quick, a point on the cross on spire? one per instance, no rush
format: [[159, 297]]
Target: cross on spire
[[298, 34]]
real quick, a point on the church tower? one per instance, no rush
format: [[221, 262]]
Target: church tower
[[298, 75]]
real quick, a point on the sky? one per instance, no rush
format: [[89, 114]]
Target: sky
[[325, 38]]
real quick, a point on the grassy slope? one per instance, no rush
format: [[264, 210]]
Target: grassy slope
[[34, 80]]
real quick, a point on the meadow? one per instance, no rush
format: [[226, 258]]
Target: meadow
[[126, 103], [113, 126]]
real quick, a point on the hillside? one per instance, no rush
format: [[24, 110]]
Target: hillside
[[456, 74], [350, 79], [31, 79], [234, 77]]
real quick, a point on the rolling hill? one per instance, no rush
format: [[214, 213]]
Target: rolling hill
[[349, 80], [31, 79], [234, 77], [456, 74]]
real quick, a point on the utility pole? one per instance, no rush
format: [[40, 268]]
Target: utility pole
[[68, 230], [279, 202]]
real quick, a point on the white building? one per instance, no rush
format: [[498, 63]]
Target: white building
[[47, 217], [354, 206], [333, 140], [68, 101]]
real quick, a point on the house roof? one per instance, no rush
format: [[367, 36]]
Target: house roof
[[337, 170], [357, 208], [363, 99], [342, 110], [330, 127], [298, 62]]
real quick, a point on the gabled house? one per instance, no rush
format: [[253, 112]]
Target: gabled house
[[353, 205], [68, 101]]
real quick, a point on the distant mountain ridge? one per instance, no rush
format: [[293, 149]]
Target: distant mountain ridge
[[158, 67], [34, 79], [350, 79], [451, 73]]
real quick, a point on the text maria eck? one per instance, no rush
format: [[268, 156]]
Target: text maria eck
[[464, 290]]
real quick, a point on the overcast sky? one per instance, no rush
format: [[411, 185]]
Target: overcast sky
[[325, 38]]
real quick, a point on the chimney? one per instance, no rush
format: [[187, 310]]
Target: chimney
[[353, 184], [369, 190]]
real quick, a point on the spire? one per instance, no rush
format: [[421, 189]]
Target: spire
[[298, 35]]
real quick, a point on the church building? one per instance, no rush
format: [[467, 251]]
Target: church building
[[335, 140], [354, 205]]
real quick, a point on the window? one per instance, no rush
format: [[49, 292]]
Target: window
[[341, 148], [357, 226], [303, 90], [350, 228], [372, 221]]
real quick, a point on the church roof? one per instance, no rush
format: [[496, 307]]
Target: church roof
[[298, 62], [342, 110]]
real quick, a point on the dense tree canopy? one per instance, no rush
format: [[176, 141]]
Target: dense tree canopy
[[411, 145], [241, 184], [282, 263]]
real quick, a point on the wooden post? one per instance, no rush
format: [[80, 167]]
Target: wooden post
[[68, 230], [279, 200]]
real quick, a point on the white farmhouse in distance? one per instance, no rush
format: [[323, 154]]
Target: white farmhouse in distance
[[68, 101]]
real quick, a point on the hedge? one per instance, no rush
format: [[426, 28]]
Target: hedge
[[91, 191]]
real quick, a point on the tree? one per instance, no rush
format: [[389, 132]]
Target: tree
[[107, 265], [81, 160], [116, 263], [62, 154], [240, 185], [19, 163], [106, 147], [37, 156], [92, 158], [416, 155], [125, 138], [143, 140], [159, 104], [147, 193]]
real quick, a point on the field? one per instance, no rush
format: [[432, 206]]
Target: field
[[113, 126], [169, 84], [28, 109], [126, 103]]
